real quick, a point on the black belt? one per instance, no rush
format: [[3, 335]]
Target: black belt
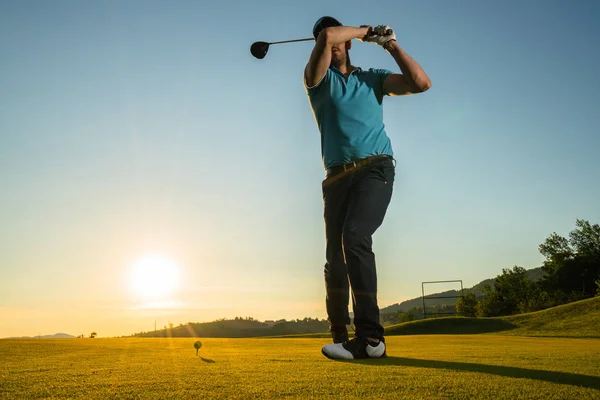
[[356, 164]]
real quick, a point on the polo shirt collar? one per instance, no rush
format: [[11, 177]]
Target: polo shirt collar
[[358, 69]]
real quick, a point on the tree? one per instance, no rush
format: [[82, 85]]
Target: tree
[[467, 305], [93, 335], [556, 247], [572, 264], [514, 288], [586, 239], [408, 316], [537, 299], [598, 286], [397, 317], [491, 303], [513, 292]]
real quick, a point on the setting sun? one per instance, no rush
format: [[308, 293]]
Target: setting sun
[[154, 276]]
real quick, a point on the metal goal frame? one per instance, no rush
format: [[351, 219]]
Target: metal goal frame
[[462, 293]]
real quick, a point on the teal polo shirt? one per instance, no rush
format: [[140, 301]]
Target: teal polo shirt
[[349, 115]]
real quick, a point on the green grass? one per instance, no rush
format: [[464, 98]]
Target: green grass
[[500, 362], [418, 367], [578, 319]]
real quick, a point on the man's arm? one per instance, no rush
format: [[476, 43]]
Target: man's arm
[[320, 58], [413, 78]]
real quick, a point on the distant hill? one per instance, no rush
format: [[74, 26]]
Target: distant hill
[[577, 319], [534, 274], [55, 336], [240, 327]]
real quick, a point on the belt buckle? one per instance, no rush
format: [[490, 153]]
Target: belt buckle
[[352, 165]]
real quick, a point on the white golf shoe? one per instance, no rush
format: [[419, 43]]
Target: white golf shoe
[[354, 349]]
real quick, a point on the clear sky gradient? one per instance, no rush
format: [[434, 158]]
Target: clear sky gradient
[[142, 127]]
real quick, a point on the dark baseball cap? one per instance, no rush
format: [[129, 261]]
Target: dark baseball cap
[[324, 22]]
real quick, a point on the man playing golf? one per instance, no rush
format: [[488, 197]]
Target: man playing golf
[[347, 103]]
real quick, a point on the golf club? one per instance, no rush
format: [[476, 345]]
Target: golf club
[[259, 49]]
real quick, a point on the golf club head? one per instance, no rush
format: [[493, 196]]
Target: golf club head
[[259, 49]]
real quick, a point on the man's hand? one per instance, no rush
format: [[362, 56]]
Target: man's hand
[[368, 34], [380, 35]]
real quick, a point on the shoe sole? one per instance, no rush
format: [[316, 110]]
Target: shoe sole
[[327, 355]]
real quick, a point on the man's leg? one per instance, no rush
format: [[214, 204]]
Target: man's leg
[[336, 274], [371, 195]]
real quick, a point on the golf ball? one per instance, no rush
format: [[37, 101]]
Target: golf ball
[[197, 344]]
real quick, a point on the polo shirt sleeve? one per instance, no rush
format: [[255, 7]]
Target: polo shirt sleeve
[[381, 74], [316, 87]]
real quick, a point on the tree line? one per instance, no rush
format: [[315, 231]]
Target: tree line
[[571, 272], [240, 327]]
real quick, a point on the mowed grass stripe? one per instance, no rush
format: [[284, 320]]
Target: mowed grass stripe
[[419, 367]]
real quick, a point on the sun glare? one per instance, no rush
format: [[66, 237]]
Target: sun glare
[[154, 276]]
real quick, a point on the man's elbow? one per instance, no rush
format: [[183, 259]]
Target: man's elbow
[[326, 36], [424, 86]]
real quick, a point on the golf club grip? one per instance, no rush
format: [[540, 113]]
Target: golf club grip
[[388, 32]]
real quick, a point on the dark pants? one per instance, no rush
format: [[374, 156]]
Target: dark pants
[[355, 205]]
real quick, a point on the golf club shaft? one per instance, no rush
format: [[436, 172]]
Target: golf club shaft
[[307, 39], [290, 41]]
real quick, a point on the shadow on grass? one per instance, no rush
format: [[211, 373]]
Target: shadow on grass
[[207, 360], [564, 378]]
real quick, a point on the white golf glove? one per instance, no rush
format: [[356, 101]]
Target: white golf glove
[[382, 35]]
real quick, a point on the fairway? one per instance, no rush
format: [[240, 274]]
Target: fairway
[[418, 367]]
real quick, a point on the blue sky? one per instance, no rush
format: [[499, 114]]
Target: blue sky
[[129, 128]]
